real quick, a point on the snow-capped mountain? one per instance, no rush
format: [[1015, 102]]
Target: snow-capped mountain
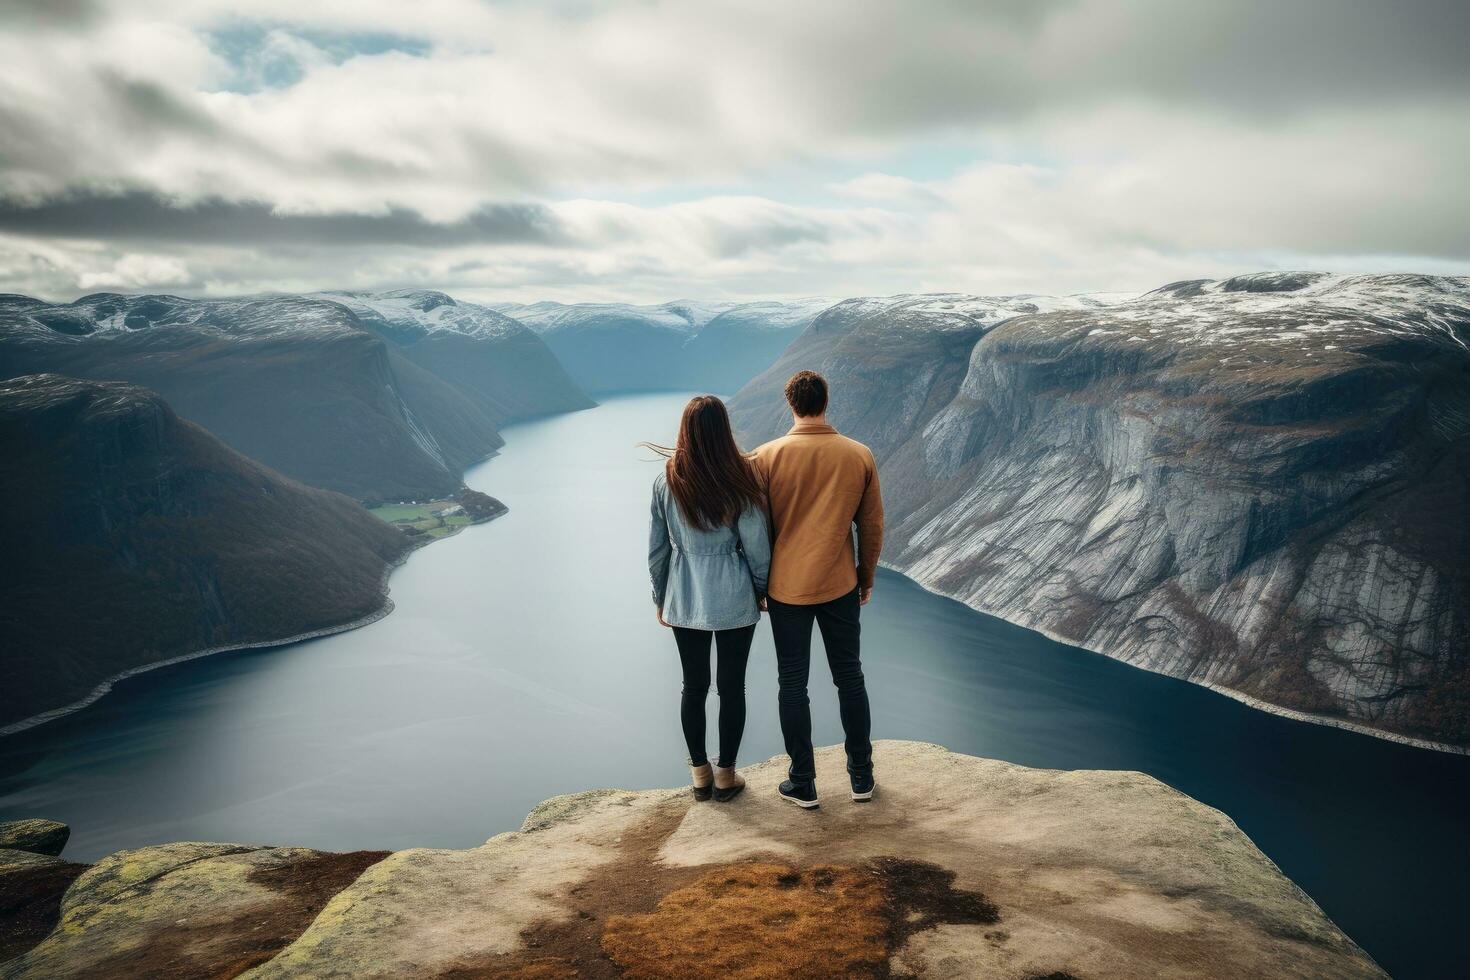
[[962, 310], [497, 361], [414, 313], [1260, 484], [682, 344], [679, 316], [361, 397]]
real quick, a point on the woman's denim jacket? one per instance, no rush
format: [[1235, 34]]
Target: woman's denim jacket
[[706, 580]]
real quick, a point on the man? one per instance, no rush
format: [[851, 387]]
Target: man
[[820, 484]]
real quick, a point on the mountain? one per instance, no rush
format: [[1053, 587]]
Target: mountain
[[679, 345], [1259, 484], [890, 360], [132, 537], [501, 364], [302, 384]]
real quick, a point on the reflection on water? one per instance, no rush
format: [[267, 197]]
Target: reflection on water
[[523, 661]]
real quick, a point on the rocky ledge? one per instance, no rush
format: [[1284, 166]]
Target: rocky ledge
[[960, 867]]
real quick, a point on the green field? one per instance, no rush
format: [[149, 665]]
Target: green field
[[430, 520], [397, 513]]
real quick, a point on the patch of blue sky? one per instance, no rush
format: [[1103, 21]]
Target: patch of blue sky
[[260, 61]]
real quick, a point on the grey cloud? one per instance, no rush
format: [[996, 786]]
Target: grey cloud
[[1265, 55], [1184, 131], [891, 68], [51, 13], [150, 104], [731, 241], [144, 217]]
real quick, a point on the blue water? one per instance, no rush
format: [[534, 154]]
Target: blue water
[[523, 661]]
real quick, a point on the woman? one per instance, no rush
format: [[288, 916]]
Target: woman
[[708, 555]]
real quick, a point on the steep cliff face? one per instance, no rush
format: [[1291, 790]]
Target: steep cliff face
[[960, 867], [132, 536], [680, 345], [891, 362], [1259, 484], [302, 383]]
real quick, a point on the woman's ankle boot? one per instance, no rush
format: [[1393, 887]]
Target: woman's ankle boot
[[703, 781], [728, 783]]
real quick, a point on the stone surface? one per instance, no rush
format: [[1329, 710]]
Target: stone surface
[[1259, 484], [31, 886], [1093, 873], [186, 910], [424, 913], [959, 867], [962, 866], [39, 836]]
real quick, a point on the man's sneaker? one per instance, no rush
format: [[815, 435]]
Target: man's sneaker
[[862, 787], [803, 795]]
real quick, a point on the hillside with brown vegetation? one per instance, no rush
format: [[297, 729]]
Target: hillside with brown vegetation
[[132, 536]]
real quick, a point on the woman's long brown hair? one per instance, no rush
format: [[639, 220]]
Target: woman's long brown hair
[[709, 477]]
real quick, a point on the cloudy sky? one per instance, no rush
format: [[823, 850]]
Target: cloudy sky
[[646, 150]]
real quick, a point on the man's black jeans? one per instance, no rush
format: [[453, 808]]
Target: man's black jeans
[[791, 626]]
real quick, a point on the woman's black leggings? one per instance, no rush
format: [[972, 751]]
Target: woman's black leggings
[[733, 648]]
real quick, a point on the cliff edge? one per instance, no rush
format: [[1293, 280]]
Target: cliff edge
[[960, 867], [1257, 484]]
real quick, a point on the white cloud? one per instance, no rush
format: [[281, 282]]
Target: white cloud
[[1112, 145], [137, 271], [887, 188]]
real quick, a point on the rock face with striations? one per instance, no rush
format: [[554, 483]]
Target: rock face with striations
[[1259, 484], [132, 536], [960, 867], [387, 406]]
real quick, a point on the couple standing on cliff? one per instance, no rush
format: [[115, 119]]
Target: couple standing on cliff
[[731, 535]]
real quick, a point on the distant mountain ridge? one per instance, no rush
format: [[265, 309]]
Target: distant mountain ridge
[[501, 364], [682, 344], [382, 397], [1260, 484], [132, 536]]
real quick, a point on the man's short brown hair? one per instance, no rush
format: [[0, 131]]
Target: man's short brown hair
[[806, 393]]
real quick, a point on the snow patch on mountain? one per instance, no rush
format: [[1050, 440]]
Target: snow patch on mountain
[[426, 311]]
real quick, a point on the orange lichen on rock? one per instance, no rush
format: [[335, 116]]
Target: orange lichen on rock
[[758, 921]]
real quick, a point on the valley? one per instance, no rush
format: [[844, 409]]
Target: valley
[[380, 383], [683, 345], [1258, 485], [1255, 485], [517, 646]]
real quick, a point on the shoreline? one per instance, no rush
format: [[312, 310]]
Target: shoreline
[[1251, 701], [384, 608]]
